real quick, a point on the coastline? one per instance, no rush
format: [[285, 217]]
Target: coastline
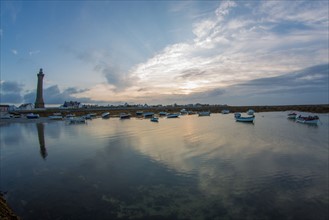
[[115, 111]]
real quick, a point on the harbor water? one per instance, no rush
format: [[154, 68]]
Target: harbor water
[[190, 167]]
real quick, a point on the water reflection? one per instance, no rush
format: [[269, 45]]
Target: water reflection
[[192, 168], [41, 136]]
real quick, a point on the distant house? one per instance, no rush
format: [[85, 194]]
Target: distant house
[[26, 106], [4, 108], [71, 104]]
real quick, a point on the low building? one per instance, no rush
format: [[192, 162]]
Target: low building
[[4, 108], [71, 104], [26, 106]]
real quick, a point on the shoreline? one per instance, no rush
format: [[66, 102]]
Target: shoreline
[[114, 112]]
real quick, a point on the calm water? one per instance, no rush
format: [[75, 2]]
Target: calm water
[[187, 168]]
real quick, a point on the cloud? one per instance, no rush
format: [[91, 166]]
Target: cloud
[[11, 92], [306, 80], [107, 64], [230, 50], [10, 86], [236, 49], [15, 52], [53, 95], [11, 97], [33, 52], [116, 77]]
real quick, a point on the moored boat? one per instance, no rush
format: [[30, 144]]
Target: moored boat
[[139, 113], [191, 113], [125, 116], [245, 119], [173, 115], [292, 115], [162, 113], [55, 117], [205, 113], [250, 112], [225, 111], [76, 120], [237, 114], [32, 116], [183, 111], [154, 119], [106, 115], [308, 119], [148, 114]]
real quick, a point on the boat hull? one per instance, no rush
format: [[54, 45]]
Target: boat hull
[[204, 113], [308, 120], [245, 119], [32, 116], [172, 115]]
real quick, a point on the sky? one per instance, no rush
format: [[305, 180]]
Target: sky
[[165, 52]]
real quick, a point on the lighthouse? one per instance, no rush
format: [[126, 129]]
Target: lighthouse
[[39, 103]]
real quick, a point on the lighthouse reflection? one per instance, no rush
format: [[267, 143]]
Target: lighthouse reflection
[[41, 136]]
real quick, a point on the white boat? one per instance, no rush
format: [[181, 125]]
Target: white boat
[[225, 111], [292, 115], [105, 115], [76, 120], [70, 115], [245, 119], [183, 111], [205, 113], [237, 114], [154, 119], [173, 115], [125, 116], [55, 117], [32, 116], [250, 112], [308, 120]]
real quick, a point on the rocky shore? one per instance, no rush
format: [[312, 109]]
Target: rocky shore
[[6, 213]]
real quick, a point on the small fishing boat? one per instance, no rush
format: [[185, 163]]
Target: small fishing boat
[[183, 111], [225, 111], [292, 115], [245, 119], [125, 116], [237, 114], [148, 114], [139, 113], [76, 120], [55, 117], [154, 119], [206, 113], [32, 116], [250, 112], [191, 113], [106, 115], [162, 113], [308, 119], [87, 117], [70, 116], [173, 115]]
